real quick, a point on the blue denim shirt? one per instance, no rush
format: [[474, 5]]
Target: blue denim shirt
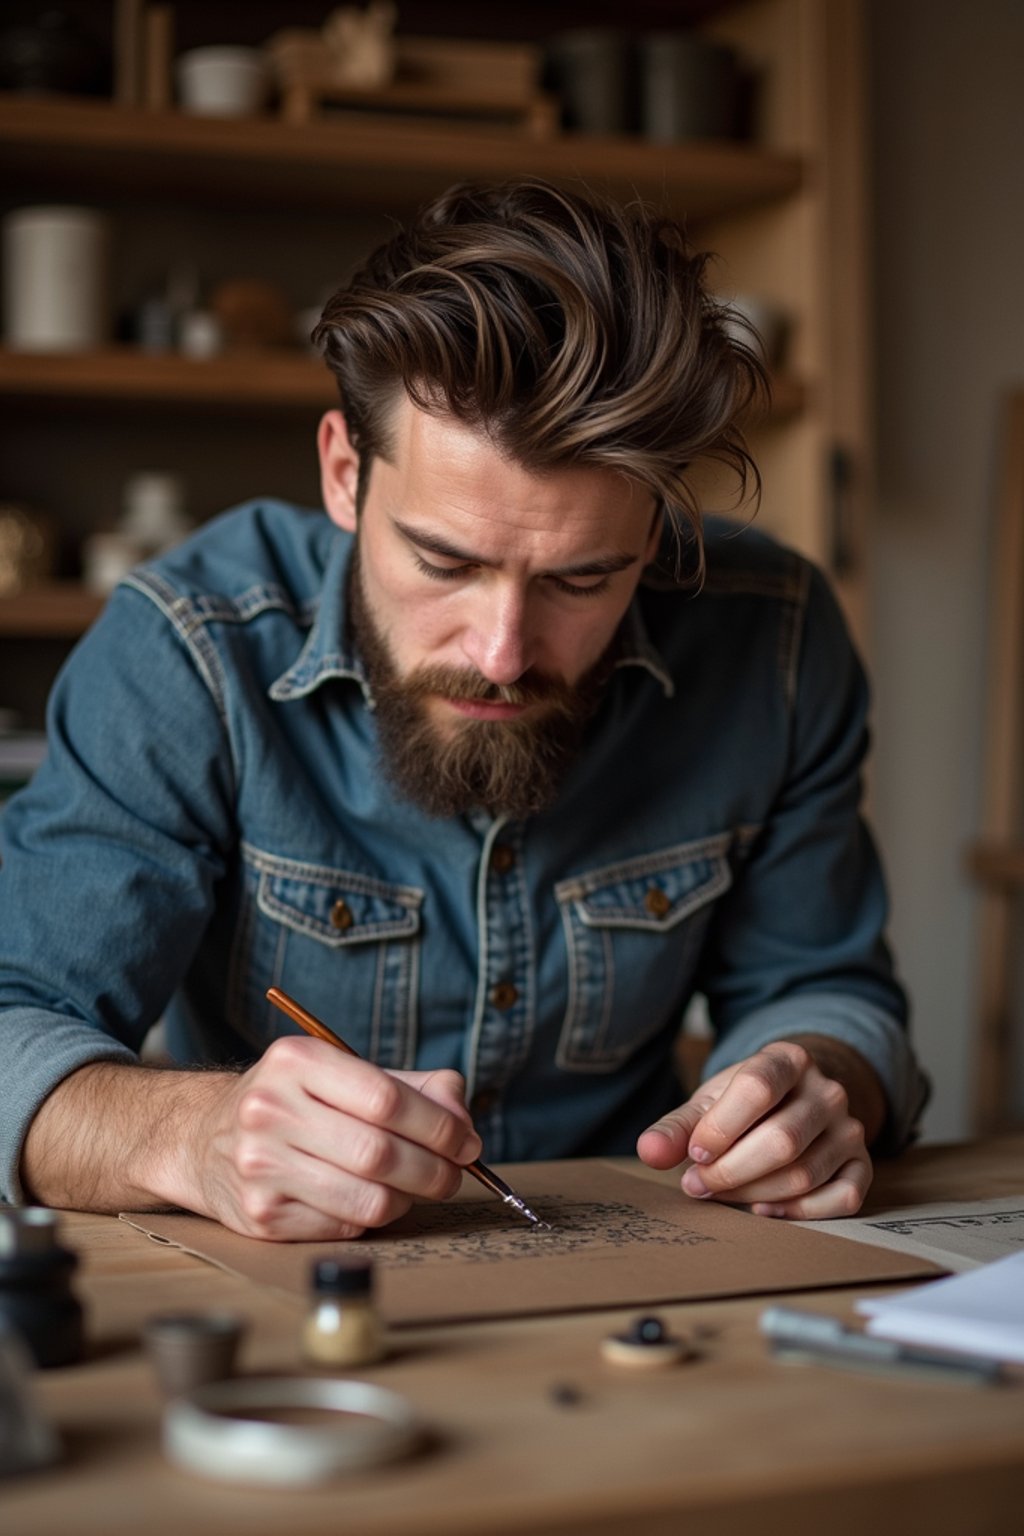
[[212, 819]]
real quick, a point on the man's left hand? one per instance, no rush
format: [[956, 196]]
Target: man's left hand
[[784, 1132]]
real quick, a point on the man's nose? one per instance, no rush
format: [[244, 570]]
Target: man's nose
[[497, 640]]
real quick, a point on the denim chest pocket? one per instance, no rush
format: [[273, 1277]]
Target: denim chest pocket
[[633, 934], [344, 944]]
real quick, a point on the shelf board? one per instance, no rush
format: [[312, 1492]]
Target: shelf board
[[60, 610], [82, 148], [254, 379]]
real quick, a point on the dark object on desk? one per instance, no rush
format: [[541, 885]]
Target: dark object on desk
[[36, 1298], [810, 1338], [190, 1349], [646, 1344], [314, 1026], [26, 1439]]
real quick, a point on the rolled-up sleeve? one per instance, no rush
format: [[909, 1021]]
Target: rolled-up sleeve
[[110, 859]]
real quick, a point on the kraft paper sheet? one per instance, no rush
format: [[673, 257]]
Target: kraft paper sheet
[[618, 1240]]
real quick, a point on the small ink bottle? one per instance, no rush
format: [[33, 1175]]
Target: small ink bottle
[[343, 1328], [36, 1298]]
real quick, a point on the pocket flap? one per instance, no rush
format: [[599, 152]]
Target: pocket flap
[[654, 891], [339, 907]]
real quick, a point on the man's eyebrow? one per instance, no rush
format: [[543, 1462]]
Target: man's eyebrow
[[606, 565]]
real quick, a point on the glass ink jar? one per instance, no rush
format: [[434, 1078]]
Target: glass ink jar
[[36, 1298], [342, 1328]]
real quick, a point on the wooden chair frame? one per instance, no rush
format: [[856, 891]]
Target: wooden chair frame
[[996, 861]]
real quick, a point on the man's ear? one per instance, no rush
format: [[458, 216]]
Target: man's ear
[[339, 470]]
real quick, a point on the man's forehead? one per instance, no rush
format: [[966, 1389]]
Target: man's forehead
[[445, 476]]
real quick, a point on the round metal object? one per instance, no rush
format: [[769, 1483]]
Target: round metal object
[[227, 1431]]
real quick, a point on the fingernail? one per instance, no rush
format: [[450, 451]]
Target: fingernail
[[699, 1154], [768, 1210], [694, 1184], [470, 1149]]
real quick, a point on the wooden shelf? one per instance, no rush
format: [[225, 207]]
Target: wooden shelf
[[261, 380], [58, 146], [61, 610], [269, 379]]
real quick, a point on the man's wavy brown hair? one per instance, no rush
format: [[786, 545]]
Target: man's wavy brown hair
[[572, 330]]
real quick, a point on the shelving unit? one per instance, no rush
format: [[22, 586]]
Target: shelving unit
[[262, 379], [274, 380], [786, 215], [58, 610], [356, 156]]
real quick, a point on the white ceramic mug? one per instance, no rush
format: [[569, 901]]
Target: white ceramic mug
[[55, 279], [222, 82]]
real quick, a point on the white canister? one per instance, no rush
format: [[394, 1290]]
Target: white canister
[[222, 82], [153, 515], [55, 288]]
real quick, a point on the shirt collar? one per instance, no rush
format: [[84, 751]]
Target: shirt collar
[[634, 648], [329, 653]]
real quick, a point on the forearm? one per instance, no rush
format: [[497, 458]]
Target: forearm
[[847, 1066], [120, 1137]]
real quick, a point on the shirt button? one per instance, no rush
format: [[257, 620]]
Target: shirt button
[[502, 858], [504, 995], [656, 902], [341, 916]]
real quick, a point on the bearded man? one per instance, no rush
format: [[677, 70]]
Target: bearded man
[[494, 768]]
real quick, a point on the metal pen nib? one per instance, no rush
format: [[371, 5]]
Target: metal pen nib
[[498, 1186], [524, 1210]]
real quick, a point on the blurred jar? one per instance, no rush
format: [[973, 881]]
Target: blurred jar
[[55, 279], [27, 549], [153, 519]]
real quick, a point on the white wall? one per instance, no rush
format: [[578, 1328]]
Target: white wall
[[948, 168]]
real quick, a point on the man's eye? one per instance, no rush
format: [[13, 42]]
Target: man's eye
[[438, 572], [594, 590]]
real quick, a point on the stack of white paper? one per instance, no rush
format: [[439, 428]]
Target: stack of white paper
[[981, 1311]]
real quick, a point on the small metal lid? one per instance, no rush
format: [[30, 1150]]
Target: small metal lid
[[333, 1279]]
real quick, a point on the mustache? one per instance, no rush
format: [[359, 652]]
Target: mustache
[[460, 683]]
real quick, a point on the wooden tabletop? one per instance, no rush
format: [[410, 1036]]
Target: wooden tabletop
[[733, 1438]]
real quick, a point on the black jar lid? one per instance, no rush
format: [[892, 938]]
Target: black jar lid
[[333, 1279]]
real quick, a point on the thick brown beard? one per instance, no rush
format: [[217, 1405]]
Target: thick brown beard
[[511, 768]]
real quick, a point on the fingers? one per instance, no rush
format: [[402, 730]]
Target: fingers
[[322, 1145], [666, 1143], [781, 1141], [773, 1133], [448, 1089], [842, 1195], [756, 1087], [365, 1093], [840, 1147]]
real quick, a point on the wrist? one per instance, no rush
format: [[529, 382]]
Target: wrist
[[114, 1136]]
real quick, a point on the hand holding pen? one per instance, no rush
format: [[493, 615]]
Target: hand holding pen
[[313, 1144], [317, 1028]]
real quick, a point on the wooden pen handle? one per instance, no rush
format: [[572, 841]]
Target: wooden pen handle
[[307, 1021]]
